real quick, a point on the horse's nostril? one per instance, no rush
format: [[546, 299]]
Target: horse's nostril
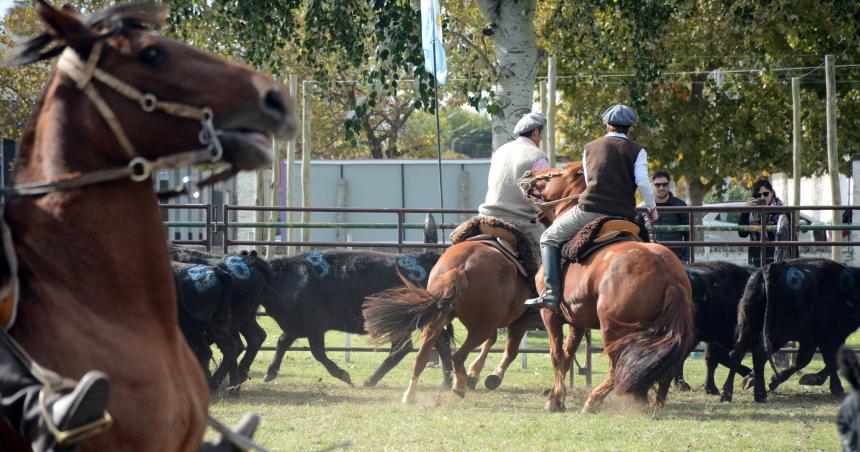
[[274, 101]]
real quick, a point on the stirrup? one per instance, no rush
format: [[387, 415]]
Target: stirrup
[[74, 435]]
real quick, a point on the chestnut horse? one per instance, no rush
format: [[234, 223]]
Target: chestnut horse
[[637, 293], [471, 281], [96, 288]]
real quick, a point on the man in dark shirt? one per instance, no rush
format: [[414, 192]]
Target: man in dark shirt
[[664, 197]]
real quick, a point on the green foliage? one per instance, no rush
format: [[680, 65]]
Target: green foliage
[[697, 122]]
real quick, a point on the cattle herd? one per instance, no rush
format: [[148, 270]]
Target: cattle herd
[[738, 309]]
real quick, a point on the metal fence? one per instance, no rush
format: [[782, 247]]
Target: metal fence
[[399, 225]]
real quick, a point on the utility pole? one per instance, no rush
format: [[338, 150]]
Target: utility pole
[[795, 150], [832, 150], [550, 114]]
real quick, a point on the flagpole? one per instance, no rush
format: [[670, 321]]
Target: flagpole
[[438, 129]]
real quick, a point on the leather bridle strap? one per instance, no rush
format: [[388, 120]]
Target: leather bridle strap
[[138, 168], [550, 204]]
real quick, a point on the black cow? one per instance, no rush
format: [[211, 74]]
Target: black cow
[[717, 290], [815, 302], [203, 295], [320, 291], [251, 277], [849, 412]]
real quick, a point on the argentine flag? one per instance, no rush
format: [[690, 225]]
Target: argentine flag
[[431, 29]]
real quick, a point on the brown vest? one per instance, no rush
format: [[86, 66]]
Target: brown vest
[[611, 184]]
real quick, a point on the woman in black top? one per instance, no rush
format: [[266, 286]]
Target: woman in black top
[[762, 194]]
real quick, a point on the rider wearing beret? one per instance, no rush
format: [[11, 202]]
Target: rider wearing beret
[[614, 166], [510, 161]]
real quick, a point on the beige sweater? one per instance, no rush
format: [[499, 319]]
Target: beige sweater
[[504, 197]]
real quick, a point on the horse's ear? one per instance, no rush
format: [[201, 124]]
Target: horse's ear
[[65, 25]]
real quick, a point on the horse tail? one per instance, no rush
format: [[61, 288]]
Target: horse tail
[[395, 313], [648, 354]]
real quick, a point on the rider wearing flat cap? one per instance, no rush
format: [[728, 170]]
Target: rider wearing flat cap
[[510, 161], [614, 166]]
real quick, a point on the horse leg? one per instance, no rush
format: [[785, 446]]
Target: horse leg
[[516, 331], [458, 359], [555, 330], [399, 349], [478, 364], [284, 343], [428, 339], [680, 384], [255, 335], [317, 342], [600, 391], [662, 391], [804, 356]]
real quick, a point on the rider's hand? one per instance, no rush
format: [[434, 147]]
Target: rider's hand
[[653, 215]]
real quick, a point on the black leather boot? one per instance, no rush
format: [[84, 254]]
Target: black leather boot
[[63, 420], [551, 297]]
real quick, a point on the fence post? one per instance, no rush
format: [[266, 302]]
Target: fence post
[[290, 176], [525, 359], [832, 151], [306, 156], [346, 352]]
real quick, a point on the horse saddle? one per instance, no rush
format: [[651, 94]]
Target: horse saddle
[[504, 246], [598, 234]]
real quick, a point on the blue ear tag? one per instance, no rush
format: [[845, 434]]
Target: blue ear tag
[[203, 277], [237, 267], [794, 278], [318, 262], [414, 270]]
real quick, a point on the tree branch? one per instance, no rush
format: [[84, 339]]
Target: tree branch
[[477, 49]]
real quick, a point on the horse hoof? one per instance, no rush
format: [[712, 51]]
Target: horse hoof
[[554, 407], [407, 399], [269, 377], [748, 382], [233, 391], [447, 383], [369, 384], [811, 380], [460, 392], [712, 391], [726, 398], [682, 386], [588, 410], [492, 381], [760, 398], [472, 382]]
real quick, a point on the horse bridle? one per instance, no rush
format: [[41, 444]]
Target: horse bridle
[[528, 181], [138, 168]]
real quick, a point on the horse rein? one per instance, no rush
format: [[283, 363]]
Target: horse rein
[[528, 181], [138, 168]]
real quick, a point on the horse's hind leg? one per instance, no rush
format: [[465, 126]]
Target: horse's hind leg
[[317, 343], [399, 349], [478, 364], [458, 359], [516, 331], [284, 343], [428, 339], [255, 335]]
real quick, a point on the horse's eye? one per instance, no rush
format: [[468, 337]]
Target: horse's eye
[[151, 55]]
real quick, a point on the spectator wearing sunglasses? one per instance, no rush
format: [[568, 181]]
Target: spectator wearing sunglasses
[[762, 195], [664, 197]]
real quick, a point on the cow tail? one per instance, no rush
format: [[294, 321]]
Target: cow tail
[[767, 280]]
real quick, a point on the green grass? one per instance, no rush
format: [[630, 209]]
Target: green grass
[[306, 409]]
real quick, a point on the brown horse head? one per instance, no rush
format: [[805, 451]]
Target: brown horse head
[[154, 73], [555, 190]]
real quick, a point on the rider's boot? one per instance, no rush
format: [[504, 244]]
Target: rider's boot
[[51, 421], [551, 296]]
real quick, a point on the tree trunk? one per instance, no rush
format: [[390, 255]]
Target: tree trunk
[[518, 59]]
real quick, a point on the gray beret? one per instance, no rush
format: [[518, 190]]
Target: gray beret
[[620, 115], [530, 122]]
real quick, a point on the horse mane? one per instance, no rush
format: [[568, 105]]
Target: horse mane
[[574, 180], [111, 22]]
